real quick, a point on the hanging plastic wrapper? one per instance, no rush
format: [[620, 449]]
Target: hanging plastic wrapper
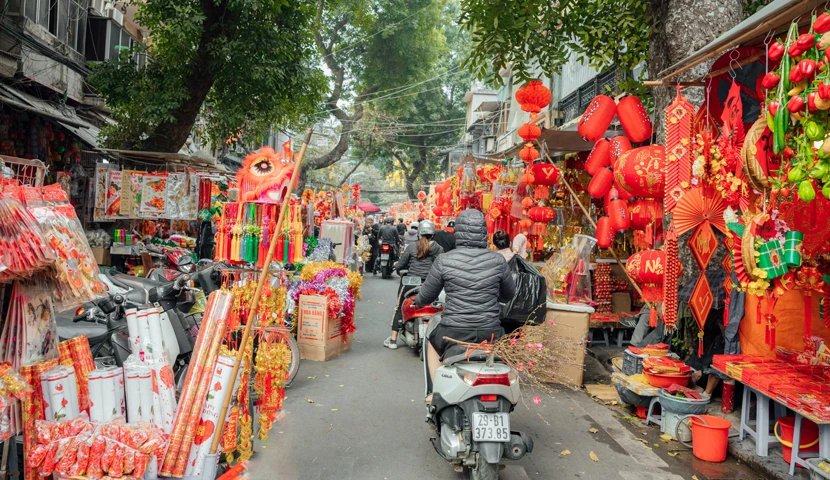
[[23, 248], [30, 331], [579, 291]]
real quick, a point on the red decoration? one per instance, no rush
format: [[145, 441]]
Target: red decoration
[[673, 271], [422, 195], [647, 268], [703, 244], [634, 119], [533, 97], [678, 149], [698, 206], [605, 233], [619, 145], [527, 202], [597, 118], [439, 189], [541, 214], [622, 194], [525, 223], [543, 174], [600, 156], [529, 132], [644, 213], [618, 212], [601, 183], [438, 211], [700, 303], [640, 171], [811, 219], [528, 153]]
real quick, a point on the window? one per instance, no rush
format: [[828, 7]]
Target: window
[[77, 24], [65, 19], [105, 40]]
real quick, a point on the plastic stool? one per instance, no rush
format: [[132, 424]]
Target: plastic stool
[[761, 432], [651, 417], [605, 340], [621, 340]]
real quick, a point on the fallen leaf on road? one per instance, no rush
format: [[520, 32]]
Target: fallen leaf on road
[[593, 456], [341, 386], [666, 437], [646, 447], [309, 400], [643, 441], [333, 409], [593, 430], [614, 402], [326, 375], [572, 409], [673, 454], [656, 445], [413, 401], [694, 477], [312, 378], [565, 452], [280, 433], [263, 446]]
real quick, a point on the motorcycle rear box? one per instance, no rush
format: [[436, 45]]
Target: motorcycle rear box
[[319, 337]]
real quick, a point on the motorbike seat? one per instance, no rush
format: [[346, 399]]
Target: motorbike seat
[[130, 282], [95, 332], [457, 353]]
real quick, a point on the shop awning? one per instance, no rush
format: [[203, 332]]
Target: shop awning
[[368, 207], [772, 19], [196, 162], [557, 141]]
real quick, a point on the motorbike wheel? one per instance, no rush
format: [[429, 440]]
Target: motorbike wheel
[[386, 273], [484, 470]]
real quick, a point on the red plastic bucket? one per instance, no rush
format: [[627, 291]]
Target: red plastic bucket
[[809, 436], [710, 437], [642, 412]]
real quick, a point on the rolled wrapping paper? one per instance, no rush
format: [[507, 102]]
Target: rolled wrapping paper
[[47, 401], [164, 390], [105, 394], [60, 393], [143, 332], [145, 386], [132, 328], [156, 335], [65, 354], [194, 391], [96, 396], [132, 389], [83, 363], [220, 385]]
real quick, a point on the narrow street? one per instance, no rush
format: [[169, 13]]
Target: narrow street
[[361, 416]]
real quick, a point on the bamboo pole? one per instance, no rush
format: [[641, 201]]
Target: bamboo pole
[[258, 292]]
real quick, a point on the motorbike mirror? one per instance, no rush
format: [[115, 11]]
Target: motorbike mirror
[[152, 295], [106, 305]]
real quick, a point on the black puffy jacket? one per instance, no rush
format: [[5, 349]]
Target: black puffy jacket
[[389, 234], [474, 278], [418, 267]]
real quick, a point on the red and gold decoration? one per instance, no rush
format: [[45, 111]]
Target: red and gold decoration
[[597, 118], [648, 269], [670, 285], [678, 121], [641, 171], [634, 119]]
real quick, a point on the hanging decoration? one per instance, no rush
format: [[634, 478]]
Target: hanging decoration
[[648, 269], [640, 171], [634, 119], [678, 121], [698, 207], [597, 118], [672, 276]]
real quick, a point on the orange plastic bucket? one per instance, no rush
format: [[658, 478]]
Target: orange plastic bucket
[[809, 436], [710, 437]]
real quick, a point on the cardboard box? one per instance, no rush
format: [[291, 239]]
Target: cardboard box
[[620, 303], [319, 337], [102, 256], [570, 326]]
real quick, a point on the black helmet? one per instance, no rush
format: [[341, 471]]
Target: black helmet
[[390, 219]]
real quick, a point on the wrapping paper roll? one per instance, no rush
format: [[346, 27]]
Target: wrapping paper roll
[[32, 408], [64, 354], [164, 392], [156, 335], [60, 393], [96, 396], [132, 328], [220, 385], [145, 383], [83, 363], [138, 388], [143, 332], [47, 401]]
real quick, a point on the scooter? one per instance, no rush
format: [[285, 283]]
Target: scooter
[[416, 319], [472, 398], [388, 256]]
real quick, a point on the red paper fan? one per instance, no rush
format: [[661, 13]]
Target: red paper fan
[[738, 260], [697, 207]]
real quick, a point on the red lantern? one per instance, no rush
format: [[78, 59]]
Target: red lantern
[[541, 214], [439, 189], [600, 156], [647, 268], [641, 171], [622, 194], [619, 145], [533, 97], [605, 234], [422, 195], [527, 202], [644, 213], [437, 210], [597, 118], [634, 119], [529, 132], [543, 173], [618, 212], [601, 183], [528, 153], [525, 223]]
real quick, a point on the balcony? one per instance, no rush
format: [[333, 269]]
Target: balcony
[[572, 106]]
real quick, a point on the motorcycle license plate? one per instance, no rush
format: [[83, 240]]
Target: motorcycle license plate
[[491, 427], [384, 256], [411, 281]]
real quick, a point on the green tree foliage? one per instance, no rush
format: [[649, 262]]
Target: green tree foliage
[[244, 64]]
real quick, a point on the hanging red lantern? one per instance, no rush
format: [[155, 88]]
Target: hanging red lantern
[[601, 183], [618, 146], [529, 132], [422, 195], [644, 212], [437, 211], [533, 97], [597, 118], [605, 234], [618, 213], [647, 268], [600, 156], [543, 173], [528, 153], [541, 214], [439, 189], [622, 194], [525, 223], [634, 119], [641, 171], [527, 202]]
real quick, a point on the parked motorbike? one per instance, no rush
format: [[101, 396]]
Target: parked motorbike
[[416, 319], [388, 257], [472, 398]]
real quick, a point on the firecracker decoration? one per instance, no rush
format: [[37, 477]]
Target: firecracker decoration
[[727, 263], [809, 281], [678, 149], [670, 285], [602, 287]]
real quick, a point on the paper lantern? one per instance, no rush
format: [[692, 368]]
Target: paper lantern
[[601, 183], [437, 211], [528, 153], [634, 119], [525, 223], [541, 214], [527, 202], [641, 171], [647, 268], [440, 188], [543, 173], [622, 194], [533, 97], [618, 146], [422, 195], [605, 234], [618, 213], [529, 132], [643, 213], [597, 118], [600, 156]]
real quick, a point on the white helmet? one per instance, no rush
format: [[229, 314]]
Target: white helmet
[[426, 228]]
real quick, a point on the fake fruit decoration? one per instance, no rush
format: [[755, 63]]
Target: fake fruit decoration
[[634, 119], [597, 118]]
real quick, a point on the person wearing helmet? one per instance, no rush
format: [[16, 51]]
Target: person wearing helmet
[[411, 235], [417, 259]]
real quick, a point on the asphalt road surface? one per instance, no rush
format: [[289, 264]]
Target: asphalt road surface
[[361, 416]]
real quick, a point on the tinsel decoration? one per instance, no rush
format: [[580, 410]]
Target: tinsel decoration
[[271, 365], [322, 251], [670, 284], [678, 149]]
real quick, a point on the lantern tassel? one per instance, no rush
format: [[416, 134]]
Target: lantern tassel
[[726, 312], [652, 318], [700, 346]]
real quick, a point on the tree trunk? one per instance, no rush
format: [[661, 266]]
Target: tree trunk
[[170, 135]]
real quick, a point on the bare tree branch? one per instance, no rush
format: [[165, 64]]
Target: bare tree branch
[[359, 163]]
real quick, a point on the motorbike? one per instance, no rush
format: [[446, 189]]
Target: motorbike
[[416, 319], [472, 398], [388, 256], [175, 262]]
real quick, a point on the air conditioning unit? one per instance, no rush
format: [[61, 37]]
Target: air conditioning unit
[[489, 144], [98, 7], [117, 16]]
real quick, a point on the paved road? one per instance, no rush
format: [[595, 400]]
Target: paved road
[[367, 422]]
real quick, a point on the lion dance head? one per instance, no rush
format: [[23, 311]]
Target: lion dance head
[[264, 176]]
